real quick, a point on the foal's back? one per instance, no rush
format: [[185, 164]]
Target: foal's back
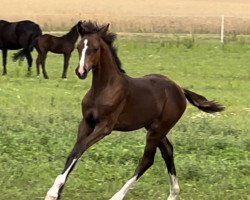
[[149, 99], [54, 44]]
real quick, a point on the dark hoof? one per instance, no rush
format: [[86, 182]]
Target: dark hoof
[[45, 76], [28, 75]]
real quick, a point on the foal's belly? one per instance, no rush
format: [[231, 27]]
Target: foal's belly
[[136, 115], [130, 123], [126, 126]]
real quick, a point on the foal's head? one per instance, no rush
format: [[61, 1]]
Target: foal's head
[[89, 48]]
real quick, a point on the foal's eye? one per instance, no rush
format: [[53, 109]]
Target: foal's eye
[[92, 50]]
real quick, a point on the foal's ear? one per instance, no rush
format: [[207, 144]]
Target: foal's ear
[[80, 28], [103, 30]]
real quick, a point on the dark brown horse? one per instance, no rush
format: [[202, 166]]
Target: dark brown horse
[[116, 101], [18, 35], [59, 45]]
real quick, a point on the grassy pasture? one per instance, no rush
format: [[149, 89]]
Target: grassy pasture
[[39, 119]]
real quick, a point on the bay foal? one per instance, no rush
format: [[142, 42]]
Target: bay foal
[[116, 101], [60, 45]]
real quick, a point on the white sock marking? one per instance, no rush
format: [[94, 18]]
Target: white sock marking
[[82, 60], [59, 182], [174, 187], [122, 192]]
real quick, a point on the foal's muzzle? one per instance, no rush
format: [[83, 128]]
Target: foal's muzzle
[[82, 75]]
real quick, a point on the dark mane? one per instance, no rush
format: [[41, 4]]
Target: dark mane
[[72, 31], [89, 27]]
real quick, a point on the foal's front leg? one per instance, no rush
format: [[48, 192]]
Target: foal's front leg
[[86, 138], [54, 192]]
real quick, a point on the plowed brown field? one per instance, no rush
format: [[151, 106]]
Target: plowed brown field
[[190, 16]]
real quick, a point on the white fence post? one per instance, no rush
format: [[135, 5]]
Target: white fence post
[[222, 30]]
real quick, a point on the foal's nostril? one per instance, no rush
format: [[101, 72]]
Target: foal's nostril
[[81, 75]]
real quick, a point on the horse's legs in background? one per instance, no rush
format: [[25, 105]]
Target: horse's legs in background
[[42, 62], [25, 41], [29, 60], [166, 149], [152, 141], [86, 138], [66, 64], [38, 62], [4, 53]]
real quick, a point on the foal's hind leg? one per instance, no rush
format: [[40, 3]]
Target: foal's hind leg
[[38, 62], [152, 141], [167, 153], [42, 60], [29, 60]]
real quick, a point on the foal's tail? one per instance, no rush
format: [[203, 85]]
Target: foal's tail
[[202, 103], [20, 55]]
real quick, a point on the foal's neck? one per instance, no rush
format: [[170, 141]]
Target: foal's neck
[[72, 34], [106, 73]]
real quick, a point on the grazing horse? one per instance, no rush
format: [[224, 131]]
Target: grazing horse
[[116, 101], [18, 35], [59, 45]]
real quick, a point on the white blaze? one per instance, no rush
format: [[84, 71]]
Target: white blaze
[[59, 182], [82, 60], [122, 192]]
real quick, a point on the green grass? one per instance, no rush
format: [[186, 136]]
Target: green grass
[[39, 119]]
